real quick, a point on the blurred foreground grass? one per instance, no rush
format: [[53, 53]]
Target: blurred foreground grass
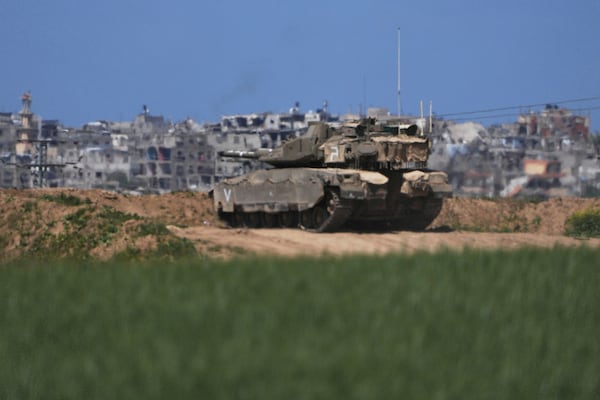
[[476, 324]]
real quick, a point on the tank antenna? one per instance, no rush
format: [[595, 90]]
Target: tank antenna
[[430, 116], [399, 98], [422, 120]]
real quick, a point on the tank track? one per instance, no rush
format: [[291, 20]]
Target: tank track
[[339, 217], [420, 220], [327, 216]]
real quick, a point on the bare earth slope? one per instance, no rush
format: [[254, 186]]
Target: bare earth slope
[[103, 224]]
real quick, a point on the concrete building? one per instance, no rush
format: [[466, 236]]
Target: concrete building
[[152, 155]]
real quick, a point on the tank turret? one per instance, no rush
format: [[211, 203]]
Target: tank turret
[[361, 144], [363, 172], [301, 151]]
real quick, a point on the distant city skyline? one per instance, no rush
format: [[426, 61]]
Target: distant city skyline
[[91, 61]]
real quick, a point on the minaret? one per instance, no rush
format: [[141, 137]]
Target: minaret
[[26, 113], [26, 133]]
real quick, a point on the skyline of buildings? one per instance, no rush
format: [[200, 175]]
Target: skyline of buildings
[[152, 154]]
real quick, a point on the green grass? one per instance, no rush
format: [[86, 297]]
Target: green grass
[[430, 326]]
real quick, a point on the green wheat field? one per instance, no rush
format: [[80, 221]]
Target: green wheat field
[[450, 325]]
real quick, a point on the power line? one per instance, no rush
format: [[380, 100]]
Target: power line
[[520, 107], [512, 114], [485, 117]]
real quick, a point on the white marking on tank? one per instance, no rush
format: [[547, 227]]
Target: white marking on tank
[[335, 154], [227, 193]]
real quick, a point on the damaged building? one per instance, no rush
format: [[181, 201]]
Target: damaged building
[[147, 155], [542, 154], [499, 160]]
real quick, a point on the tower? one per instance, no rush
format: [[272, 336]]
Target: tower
[[26, 132], [32, 150]]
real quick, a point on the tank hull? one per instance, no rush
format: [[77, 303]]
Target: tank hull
[[326, 199]]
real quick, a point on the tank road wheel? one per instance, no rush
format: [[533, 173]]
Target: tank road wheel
[[288, 219], [327, 216]]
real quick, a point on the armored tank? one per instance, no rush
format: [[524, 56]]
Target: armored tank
[[364, 174]]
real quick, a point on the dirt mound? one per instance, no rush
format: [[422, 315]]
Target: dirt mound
[[94, 223], [99, 224], [506, 215]]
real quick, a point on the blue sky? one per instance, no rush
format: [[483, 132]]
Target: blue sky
[[85, 61]]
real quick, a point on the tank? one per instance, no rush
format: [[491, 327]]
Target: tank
[[363, 174]]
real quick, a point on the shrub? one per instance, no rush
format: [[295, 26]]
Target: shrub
[[116, 216], [29, 206], [153, 228], [175, 247], [79, 218], [584, 223], [66, 199]]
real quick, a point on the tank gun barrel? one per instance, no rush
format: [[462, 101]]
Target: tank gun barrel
[[256, 154]]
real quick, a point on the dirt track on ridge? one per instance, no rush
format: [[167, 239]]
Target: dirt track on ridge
[[292, 242], [462, 223]]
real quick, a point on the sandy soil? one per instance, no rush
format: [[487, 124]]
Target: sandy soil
[[290, 242], [463, 222]]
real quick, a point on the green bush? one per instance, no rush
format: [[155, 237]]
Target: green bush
[[116, 216], [79, 218], [175, 248], [153, 228], [584, 223], [66, 199], [29, 206]]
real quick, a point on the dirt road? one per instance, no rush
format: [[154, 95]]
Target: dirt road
[[293, 242]]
